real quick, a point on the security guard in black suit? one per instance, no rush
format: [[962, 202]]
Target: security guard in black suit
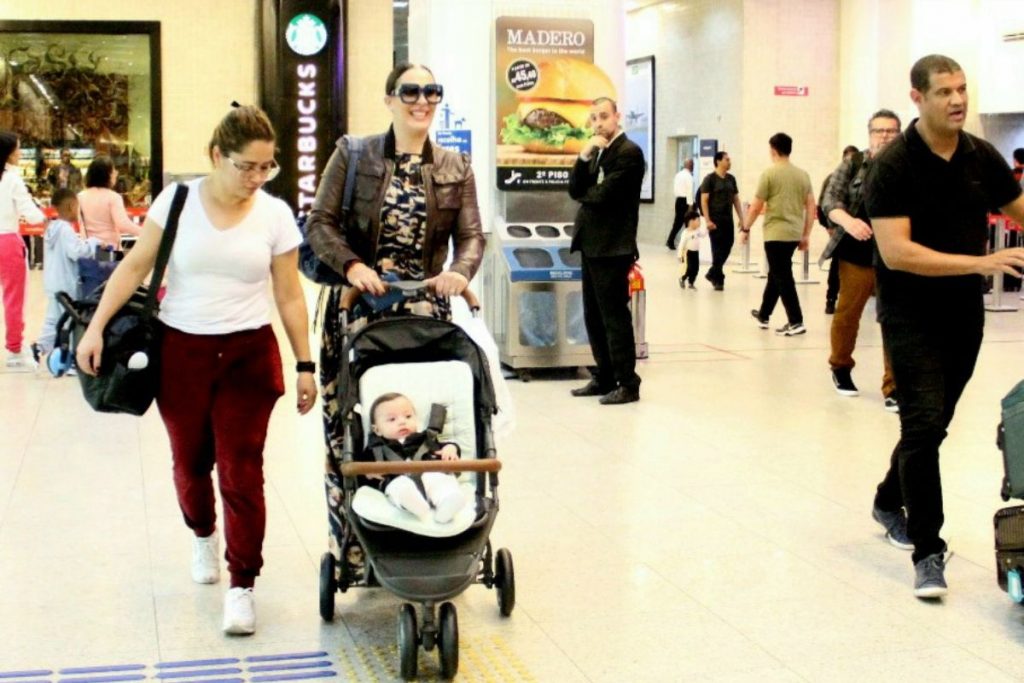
[[606, 181]]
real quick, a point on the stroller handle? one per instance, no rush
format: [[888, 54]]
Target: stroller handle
[[352, 294], [355, 469]]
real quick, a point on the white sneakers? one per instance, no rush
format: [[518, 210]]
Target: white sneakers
[[20, 362], [239, 612], [206, 559]]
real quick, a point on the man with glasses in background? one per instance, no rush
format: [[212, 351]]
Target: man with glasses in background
[[852, 246]]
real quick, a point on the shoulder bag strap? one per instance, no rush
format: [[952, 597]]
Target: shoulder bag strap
[[355, 149], [166, 242]]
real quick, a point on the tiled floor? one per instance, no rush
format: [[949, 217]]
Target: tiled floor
[[718, 530]]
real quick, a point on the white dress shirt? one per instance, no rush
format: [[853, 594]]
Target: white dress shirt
[[683, 185]]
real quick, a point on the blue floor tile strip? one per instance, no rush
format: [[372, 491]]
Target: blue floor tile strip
[[256, 669], [196, 673], [293, 677], [103, 679], [102, 669], [288, 667], [276, 658], [199, 662]]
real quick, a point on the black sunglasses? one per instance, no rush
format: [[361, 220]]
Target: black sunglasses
[[410, 93]]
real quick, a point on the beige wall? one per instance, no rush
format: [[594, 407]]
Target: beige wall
[[698, 63], [370, 55], [717, 62], [789, 42], [209, 58]]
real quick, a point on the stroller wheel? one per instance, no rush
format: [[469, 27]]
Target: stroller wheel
[[328, 587], [408, 643], [505, 581], [448, 641]]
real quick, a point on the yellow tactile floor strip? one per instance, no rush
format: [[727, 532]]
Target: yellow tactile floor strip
[[485, 659]]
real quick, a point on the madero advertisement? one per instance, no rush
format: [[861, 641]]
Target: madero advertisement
[[546, 82]]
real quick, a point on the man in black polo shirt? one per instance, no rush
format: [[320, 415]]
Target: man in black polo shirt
[[927, 194]]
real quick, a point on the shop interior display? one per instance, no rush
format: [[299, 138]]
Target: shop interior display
[[59, 96]]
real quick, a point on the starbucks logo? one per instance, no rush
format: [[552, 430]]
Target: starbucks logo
[[306, 34]]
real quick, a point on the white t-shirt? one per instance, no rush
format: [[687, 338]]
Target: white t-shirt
[[217, 279]]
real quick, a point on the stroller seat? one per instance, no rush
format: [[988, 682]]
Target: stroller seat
[[448, 383]]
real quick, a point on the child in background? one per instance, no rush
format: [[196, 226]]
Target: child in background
[[62, 247], [689, 248], [431, 494]]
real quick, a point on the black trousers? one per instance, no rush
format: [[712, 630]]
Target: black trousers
[[682, 206], [932, 360], [832, 293], [608, 320], [692, 265], [780, 282], [722, 239]]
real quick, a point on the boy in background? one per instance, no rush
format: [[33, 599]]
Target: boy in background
[[62, 247]]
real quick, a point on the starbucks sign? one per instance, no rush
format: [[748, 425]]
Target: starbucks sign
[[306, 34]]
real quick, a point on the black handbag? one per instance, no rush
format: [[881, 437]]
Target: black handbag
[[310, 264], [129, 367]]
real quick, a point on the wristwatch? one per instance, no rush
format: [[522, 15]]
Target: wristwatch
[[305, 366]]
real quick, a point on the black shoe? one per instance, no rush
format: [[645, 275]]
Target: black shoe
[[591, 388], [761, 322], [844, 382], [682, 283], [830, 307], [621, 395], [670, 246], [892, 404], [719, 286], [692, 286]]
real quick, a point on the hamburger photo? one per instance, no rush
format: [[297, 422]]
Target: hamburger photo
[[551, 117]]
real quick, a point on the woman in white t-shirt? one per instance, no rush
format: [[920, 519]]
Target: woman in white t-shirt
[[220, 373]]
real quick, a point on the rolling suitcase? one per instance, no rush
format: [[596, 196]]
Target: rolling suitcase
[[1009, 522]]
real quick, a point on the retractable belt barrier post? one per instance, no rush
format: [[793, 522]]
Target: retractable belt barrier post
[[805, 278], [995, 304], [746, 266]]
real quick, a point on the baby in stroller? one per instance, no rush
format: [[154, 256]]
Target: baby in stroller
[[395, 437]]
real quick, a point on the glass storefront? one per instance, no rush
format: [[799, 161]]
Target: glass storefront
[[74, 90]]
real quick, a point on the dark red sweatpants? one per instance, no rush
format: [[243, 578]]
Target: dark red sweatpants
[[216, 395]]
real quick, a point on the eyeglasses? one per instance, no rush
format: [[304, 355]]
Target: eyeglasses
[[268, 170], [410, 93], [884, 131]]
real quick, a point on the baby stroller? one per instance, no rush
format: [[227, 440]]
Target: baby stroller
[[428, 570]]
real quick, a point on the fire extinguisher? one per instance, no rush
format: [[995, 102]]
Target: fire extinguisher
[[636, 279], [638, 307]]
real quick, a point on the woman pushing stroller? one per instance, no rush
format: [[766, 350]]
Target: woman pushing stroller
[[411, 198]]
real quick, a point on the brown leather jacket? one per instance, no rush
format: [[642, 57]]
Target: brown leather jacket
[[452, 210]]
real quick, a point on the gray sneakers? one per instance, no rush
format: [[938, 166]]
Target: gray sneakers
[[895, 525], [929, 580]]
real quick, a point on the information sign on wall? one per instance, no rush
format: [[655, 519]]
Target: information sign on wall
[[791, 90]]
